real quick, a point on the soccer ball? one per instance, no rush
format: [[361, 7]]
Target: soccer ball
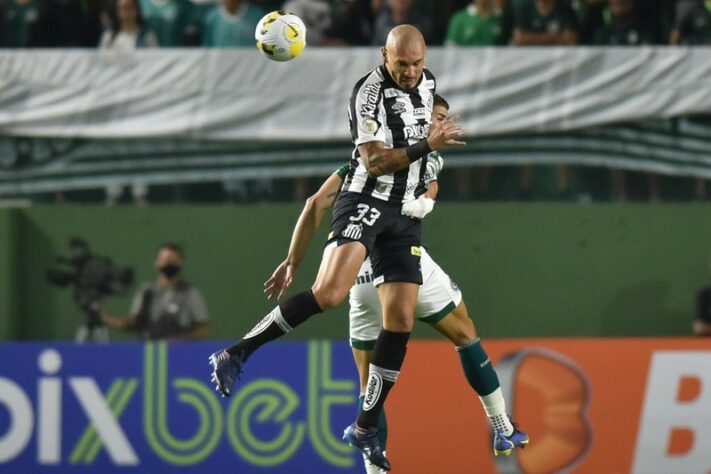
[[280, 36]]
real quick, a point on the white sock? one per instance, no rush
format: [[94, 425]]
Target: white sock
[[372, 468], [495, 407]]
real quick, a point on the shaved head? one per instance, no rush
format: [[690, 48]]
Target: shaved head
[[404, 55], [405, 36]]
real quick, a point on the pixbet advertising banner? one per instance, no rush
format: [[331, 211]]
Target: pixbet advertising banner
[[135, 408], [597, 406]]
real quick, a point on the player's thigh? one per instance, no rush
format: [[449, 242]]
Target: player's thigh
[[440, 304], [338, 270], [438, 295], [398, 301], [365, 319]]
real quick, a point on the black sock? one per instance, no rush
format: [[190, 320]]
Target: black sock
[[280, 321], [388, 355]]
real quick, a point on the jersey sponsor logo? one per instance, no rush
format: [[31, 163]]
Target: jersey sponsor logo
[[370, 98], [370, 126], [353, 231], [416, 251], [366, 277], [261, 326], [416, 131], [372, 391]]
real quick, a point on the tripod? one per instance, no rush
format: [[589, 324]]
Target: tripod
[[93, 330]]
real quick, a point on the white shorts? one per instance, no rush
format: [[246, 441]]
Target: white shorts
[[438, 297]]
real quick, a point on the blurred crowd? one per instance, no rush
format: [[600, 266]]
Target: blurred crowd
[[129, 24]]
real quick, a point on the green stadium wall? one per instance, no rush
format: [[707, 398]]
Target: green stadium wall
[[535, 270]]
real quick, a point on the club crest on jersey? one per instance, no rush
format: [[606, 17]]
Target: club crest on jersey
[[382, 188], [353, 231], [370, 100]]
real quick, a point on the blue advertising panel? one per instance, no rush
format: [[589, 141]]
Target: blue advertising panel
[[150, 408]]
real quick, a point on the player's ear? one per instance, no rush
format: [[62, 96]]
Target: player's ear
[[384, 51]]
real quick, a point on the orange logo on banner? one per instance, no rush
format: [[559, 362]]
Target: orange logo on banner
[[555, 392], [590, 406]]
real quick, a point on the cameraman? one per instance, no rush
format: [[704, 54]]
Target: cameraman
[[168, 307]]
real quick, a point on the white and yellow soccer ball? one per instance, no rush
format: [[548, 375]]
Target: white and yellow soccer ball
[[280, 36]]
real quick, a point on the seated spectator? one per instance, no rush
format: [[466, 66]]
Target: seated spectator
[[168, 307], [693, 24], [590, 17], [477, 25], [231, 25], [24, 24], [127, 31], [74, 24], [398, 12], [544, 22], [175, 22], [352, 24], [316, 15], [624, 27]]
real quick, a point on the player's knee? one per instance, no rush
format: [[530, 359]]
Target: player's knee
[[329, 296], [398, 322]]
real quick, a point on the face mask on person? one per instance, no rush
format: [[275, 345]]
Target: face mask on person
[[170, 270]]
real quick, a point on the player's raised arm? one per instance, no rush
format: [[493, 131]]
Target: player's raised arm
[[404, 57], [304, 231]]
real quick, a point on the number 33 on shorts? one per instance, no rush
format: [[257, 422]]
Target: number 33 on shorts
[[363, 209]]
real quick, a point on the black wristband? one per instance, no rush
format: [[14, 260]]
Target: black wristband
[[418, 150]]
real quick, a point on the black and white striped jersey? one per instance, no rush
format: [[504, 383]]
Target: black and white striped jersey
[[381, 111]]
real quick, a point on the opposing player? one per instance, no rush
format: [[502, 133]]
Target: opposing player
[[439, 302], [389, 115]]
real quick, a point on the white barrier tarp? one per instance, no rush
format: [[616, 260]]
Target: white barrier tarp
[[238, 95]]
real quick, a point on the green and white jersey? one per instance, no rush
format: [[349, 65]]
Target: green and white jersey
[[221, 29], [170, 20], [21, 24], [468, 28]]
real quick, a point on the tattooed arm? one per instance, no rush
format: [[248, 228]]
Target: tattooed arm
[[379, 160], [304, 231]]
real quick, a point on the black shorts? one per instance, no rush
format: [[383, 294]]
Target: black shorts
[[391, 239]]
